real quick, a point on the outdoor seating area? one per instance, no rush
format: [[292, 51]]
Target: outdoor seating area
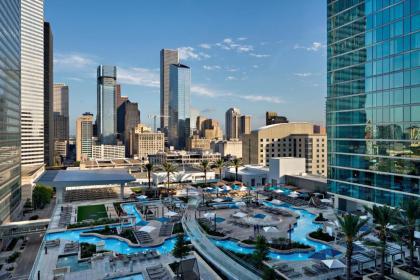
[[285, 270], [65, 216], [158, 272], [52, 243], [71, 247], [72, 194], [166, 229], [143, 237]]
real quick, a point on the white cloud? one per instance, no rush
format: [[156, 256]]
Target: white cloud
[[203, 91], [211, 67], [231, 69], [189, 53], [139, 76], [255, 66], [205, 46], [230, 78], [269, 99], [257, 55], [73, 61], [314, 47], [242, 38], [307, 74], [230, 44]]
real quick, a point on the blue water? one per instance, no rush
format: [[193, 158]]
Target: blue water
[[130, 277], [231, 205], [131, 209], [303, 226], [73, 262], [219, 220]]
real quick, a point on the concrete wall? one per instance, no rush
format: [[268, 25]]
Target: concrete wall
[[279, 167]]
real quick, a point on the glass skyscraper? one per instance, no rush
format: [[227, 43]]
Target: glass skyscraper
[[373, 103], [10, 191], [179, 105], [106, 116]]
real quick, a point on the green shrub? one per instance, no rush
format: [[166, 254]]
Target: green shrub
[[13, 257], [320, 235], [41, 196]]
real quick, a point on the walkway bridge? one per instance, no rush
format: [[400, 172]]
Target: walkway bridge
[[23, 228]]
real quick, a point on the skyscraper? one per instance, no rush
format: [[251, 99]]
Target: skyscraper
[[84, 134], [128, 116], [61, 111], [120, 99], [179, 105], [373, 102], [10, 190], [244, 125], [273, 118], [32, 82], [167, 57], [232, 123], [48, 96], [106, 116]]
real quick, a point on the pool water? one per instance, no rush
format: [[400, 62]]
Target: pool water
[[303, 226], [130, 277], [73, 263], [130, 209], [259, 216], [231, 205], [219, 220]]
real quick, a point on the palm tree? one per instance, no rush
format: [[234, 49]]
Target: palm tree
[[236, 162], [149, 168], [407, 219], [220, 163], [382, 216], [204, 166], [350, 225], [169, 168]]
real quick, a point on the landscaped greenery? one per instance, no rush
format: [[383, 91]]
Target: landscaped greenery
[[320, 235], [320, 218], [136, 190], [87, 250], [209, 230], [118, 209], [181, 248], [261, 251], [41, 196], [91, 212], [177, 228], [286, 244], [98, 222], [107, 230]]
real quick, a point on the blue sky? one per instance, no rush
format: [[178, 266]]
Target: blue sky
[[254, 55]]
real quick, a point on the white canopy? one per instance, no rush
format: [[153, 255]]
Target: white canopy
[[240, 214], [208, 188], [218, 199], [243, 189], [240, 203], [147, 229], [170, 214], [333, 264], [326, 200], [271, 229], [142, 197], [209, 215], [278, 191], [276, 201], [293, 195]]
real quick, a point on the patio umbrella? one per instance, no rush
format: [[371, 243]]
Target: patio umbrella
[[333, 264], [209, 215], [171, 214], [271, 229], [295, 192], [293, 195], [142, 197], [240, 203], [240, 215], [276, 201], [279, 191], [218, 199], [147, 229], [243, 189], [227, 188]]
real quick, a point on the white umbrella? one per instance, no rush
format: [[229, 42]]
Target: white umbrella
[[278, 191], [276, 201], [170, 214], [142, 197], [243, 189], [240, 203], [240, 214], [333, 264], [295, 192], [293, 195], [209, 215], [228, 188], [364, 217], [147, 229], [218, 199], [271, 229], [326, 200]]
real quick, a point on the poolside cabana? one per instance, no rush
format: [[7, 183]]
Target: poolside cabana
[[240, 215]]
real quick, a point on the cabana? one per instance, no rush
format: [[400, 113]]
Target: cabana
[[240, 215]]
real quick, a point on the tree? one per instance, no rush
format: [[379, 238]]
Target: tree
[[41, 196], [407, 221], [236, 162], [204, 166], [382, 216], [261, 250], [149, 168], [169, 168], [350, 226], [181, 248], [220, 163], [269, 274]]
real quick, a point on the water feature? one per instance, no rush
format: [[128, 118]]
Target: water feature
[[73, 262], [130, 277], [131, 209]]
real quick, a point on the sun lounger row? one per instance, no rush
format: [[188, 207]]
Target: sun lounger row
[[90, 194], [143, 237], [276, 211], [158, 273], [166, 229], [291, 200], [288, 271], [52, 243], [71, 247]]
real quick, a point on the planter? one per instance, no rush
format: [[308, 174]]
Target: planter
[[404, 275], [217, 237], [318, 240], [290, 251]]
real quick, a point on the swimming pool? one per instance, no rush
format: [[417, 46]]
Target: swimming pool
[[303, 226], [130, 209], [131, 277], [72, 261]]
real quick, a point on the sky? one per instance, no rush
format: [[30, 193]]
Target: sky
[[257, 56]]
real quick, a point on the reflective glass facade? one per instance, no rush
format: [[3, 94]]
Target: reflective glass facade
[[373, 103], [106, 119], [179, 105], [10, 192]]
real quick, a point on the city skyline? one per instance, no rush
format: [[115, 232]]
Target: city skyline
[[255, 68]]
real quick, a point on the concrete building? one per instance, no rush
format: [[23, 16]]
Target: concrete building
[[10, 119], [244, 125], [232, 123], [106, 115], [167, 58], [108, 152], [61, 151], [210, 129], [84, 134], [145, 142], [282, 166], [48, 96], [183, 157], [287, 140], [273, 118], [228, 148], [32, 81], [179, 105], [250, 175], [128, 116], [195, 143], [120, 99]]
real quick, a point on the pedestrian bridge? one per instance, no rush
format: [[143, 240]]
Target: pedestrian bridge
[[23, 228]]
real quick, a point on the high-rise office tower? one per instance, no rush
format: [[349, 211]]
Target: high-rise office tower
[[10, 190], [167, 57], [48, 96], [232, 123], [120, 99], [373, 102], [128, 116], [32, 82], [244, 125], [179, 105], [273, 118], [61, 111], [84, 134], [106, 115]]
